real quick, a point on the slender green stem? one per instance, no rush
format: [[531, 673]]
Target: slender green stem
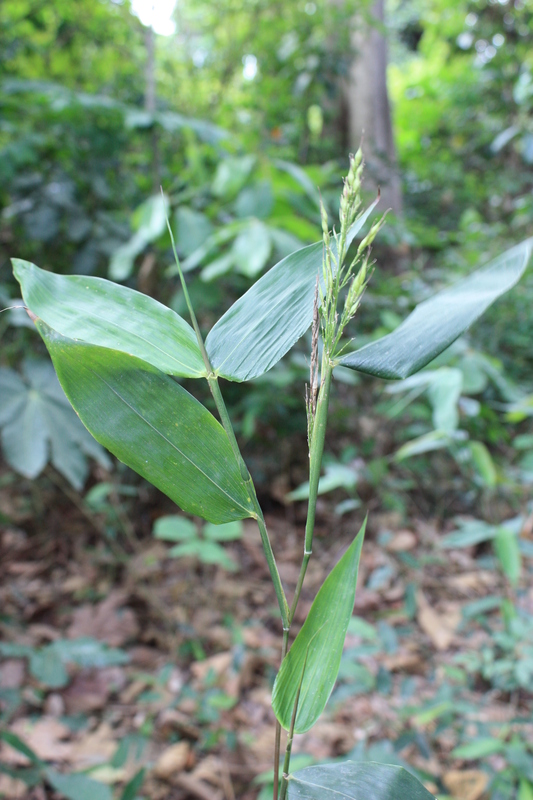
[[272, 567], [277, 743], [290, 737], [214, 385], [188, 302], [316, 451]]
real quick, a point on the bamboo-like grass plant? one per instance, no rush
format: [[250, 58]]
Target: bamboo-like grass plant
[[117, 353]]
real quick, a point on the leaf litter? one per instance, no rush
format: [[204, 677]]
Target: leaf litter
[[191, 703]]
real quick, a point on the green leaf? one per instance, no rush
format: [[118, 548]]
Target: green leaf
[[231, 175], [251, 249], [224, 533], [471, 532], [17, 744], [47, 666], [483, 463], [427, 443], [325, 626], [89, 652], [525, 791], [213, 553], [439, 321], [153, 425], [190, 548], [336, 476], [37, 418], [301, 177], [508, 554], [479, 749], [271, 316], [78, 786], [356, 781], [133, 786], [24, 438], [192, 229], [12, 395], [99, 312], [149, 222], [444, 392], [175, 528]]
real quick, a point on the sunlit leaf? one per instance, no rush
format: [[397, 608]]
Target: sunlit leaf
[[271, 316], [356, 781], [439, 321], [318, 646], [99, 312], [153, 425]]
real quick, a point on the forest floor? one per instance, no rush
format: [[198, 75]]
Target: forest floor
[[190, 699]]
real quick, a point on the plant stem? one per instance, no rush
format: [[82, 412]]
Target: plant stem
[[277, 743], [316, 451], [214, 386], [290, 737]]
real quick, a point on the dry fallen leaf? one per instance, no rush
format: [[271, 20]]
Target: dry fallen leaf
[[216, 665], [173, 760], [12, 789], [401, 541], [46, 738], [475, 581], [408, 659], [466, 784], [107, 621], [94, 748], [12, 673], [439, 627], [90, 689]]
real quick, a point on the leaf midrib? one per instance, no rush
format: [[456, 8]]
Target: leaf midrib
[[147, 422], [281, 298]]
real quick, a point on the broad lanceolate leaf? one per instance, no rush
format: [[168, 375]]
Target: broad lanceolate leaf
[[102, 313], [356, 781], [153, 425], [274, 313], [437, 322], [318, 645]]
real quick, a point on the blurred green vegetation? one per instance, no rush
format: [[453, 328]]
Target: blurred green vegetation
[[246, 130]]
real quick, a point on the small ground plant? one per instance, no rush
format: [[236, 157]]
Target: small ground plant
[[117, 354]]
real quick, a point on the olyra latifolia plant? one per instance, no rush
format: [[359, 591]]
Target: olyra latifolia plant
[[117, 352]]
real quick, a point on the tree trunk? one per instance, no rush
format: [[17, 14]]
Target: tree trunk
[[367, 109]]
